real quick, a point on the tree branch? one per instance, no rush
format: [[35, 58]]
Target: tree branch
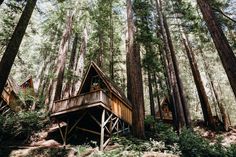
[[222, 13]]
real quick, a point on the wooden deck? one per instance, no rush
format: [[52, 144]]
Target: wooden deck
[[81, 101], [92, 99]]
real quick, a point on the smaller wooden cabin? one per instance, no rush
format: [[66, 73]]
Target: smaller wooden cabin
[[28, 93], [13, 97], [165, 111], [100, 108], [9, 99]]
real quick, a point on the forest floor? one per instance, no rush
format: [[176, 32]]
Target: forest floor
[[148, 148]]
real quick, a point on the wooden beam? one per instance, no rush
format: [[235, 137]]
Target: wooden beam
[[108, 119], [107, 141], [94, 119], [61, 132], [102, 130], [90, 131], [107, 129], [65, 135], [77, 122], [114, 125]]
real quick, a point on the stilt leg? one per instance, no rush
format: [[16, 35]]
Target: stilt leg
[[102, 130]]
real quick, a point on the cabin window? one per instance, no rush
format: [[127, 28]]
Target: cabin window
[[95, 83]]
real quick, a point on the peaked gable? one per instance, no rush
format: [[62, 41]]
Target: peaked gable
[[106, 83]]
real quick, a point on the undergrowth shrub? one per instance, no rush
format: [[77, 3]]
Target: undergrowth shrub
[[22, 124], [193, 145]]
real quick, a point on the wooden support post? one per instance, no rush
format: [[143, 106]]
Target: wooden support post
[[102, 130], [110, 125], [61, 132], [123, 127], [65, 135]]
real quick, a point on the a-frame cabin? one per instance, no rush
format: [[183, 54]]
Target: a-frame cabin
[[100, 108]]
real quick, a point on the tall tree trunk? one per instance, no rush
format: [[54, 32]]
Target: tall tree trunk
[[177, 73], [79, 66], [221, 43], [68, 86], [14, 43], [111, 34], [224, 115], [158, 96], [177, 111], [206, 109], [56, 83], [129, 44], [135, 76], [100, 50], [151, 98], [41, 74]]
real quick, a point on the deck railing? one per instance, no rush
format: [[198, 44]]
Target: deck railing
[[90, 98]]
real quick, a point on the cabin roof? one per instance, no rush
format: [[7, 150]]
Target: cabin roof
[[28, 78], [109, 83], [13, 85]]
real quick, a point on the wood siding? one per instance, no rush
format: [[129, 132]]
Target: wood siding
[[121, 110]]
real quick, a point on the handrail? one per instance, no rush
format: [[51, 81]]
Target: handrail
[[84, 96]]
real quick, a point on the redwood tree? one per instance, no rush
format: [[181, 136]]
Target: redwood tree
[[135, 77], [206, 108], [14, 43], [57, 82], [221, 43]]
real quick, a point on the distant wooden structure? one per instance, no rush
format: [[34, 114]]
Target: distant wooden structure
[[100, 108], [9, 99], [27, 91], [165, 110]]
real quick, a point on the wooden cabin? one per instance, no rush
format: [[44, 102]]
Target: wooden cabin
[[100, 108], [9, 99], [13, 97], [28, 93], [165, 111]]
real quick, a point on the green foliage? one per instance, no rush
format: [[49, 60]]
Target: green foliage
[[149, 120], [193, 145], [21, 124], [231, 151]]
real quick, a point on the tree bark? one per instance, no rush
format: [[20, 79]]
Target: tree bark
[[135, 76], [111, 36], [225, 52], [14, 43], [224, 115], [68, 86], [129, 44], [151, 98], [177, 111], [100, 50], [56, 83], [206, 109], [177, 73], [79, 69], [158, 96]]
